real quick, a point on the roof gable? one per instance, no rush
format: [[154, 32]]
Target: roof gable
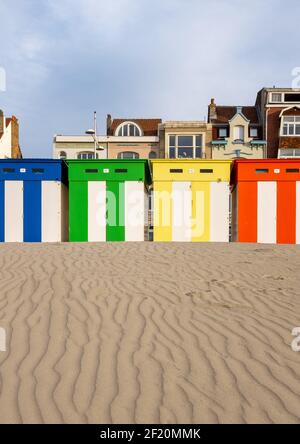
[[148, 126], [226, 113]]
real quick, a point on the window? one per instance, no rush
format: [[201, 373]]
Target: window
[[128, 129], [8, 170], [291, 126], [91, 170], [152, 155], [185, 146], [292, 97], [238, 132], [86, 155], [253, 132], [276, 97], [128, 155], [287, 153], [222, 133], [262, 170], [62, 155], [206, 170]]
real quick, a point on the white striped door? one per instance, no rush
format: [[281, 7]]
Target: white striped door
[[219, 212], [13, 211], [266, 212], [51, 211], [134, 208]]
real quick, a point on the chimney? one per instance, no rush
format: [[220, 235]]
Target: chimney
[[15, 147], [212, 111], [108, 124]]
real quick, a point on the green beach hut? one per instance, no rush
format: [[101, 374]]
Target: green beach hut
[[108, 200]]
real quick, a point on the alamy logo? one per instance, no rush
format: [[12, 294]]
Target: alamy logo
[[182, 215], [2, 80], [296, 342], [2, 340]]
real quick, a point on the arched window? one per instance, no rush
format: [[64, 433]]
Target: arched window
[[62, 155], [152, 155], [86, 155], [128, 155], [128, 129]]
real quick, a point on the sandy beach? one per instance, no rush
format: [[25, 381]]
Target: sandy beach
[[149, 333]]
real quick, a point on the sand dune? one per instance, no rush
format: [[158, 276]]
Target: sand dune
[[149, 333]]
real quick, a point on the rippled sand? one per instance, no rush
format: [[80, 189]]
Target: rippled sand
[[143, 333]]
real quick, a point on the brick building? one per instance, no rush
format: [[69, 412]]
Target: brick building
[[9, 137], [279, 110]]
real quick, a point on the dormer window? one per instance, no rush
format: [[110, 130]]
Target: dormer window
[[291, 126], [294, 97], [276, 97], [254, 133], [238, 133], [222, 133], [128, 129]]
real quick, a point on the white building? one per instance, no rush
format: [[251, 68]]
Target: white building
[[79, 147], [9, 137]]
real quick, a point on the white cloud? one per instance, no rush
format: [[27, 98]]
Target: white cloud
[[96, 17], [31, 46]]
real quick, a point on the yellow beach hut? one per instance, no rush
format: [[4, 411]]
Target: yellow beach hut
[[191, 200]]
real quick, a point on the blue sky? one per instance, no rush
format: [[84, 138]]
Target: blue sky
[[138, 58]]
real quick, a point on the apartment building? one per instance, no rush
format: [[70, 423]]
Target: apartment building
[[185, 139], [124, 139], [237, 132], [9, 137], [279, 110], [132, 138], [79, 147], [269, 129]]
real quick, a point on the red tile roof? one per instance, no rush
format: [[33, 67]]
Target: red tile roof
[[148, 126], [295, 111], [226, 113]]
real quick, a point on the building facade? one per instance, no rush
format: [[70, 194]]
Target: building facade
[[185, 139], [79, 147], [270, 129], [236, 132], [132, 138], [279, 109], [9, 137], [124, 139]]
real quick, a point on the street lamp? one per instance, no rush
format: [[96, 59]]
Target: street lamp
[[93, 133]]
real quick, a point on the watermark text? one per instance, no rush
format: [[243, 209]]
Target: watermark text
[[2, 79], [2, 340], [296, 342]]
